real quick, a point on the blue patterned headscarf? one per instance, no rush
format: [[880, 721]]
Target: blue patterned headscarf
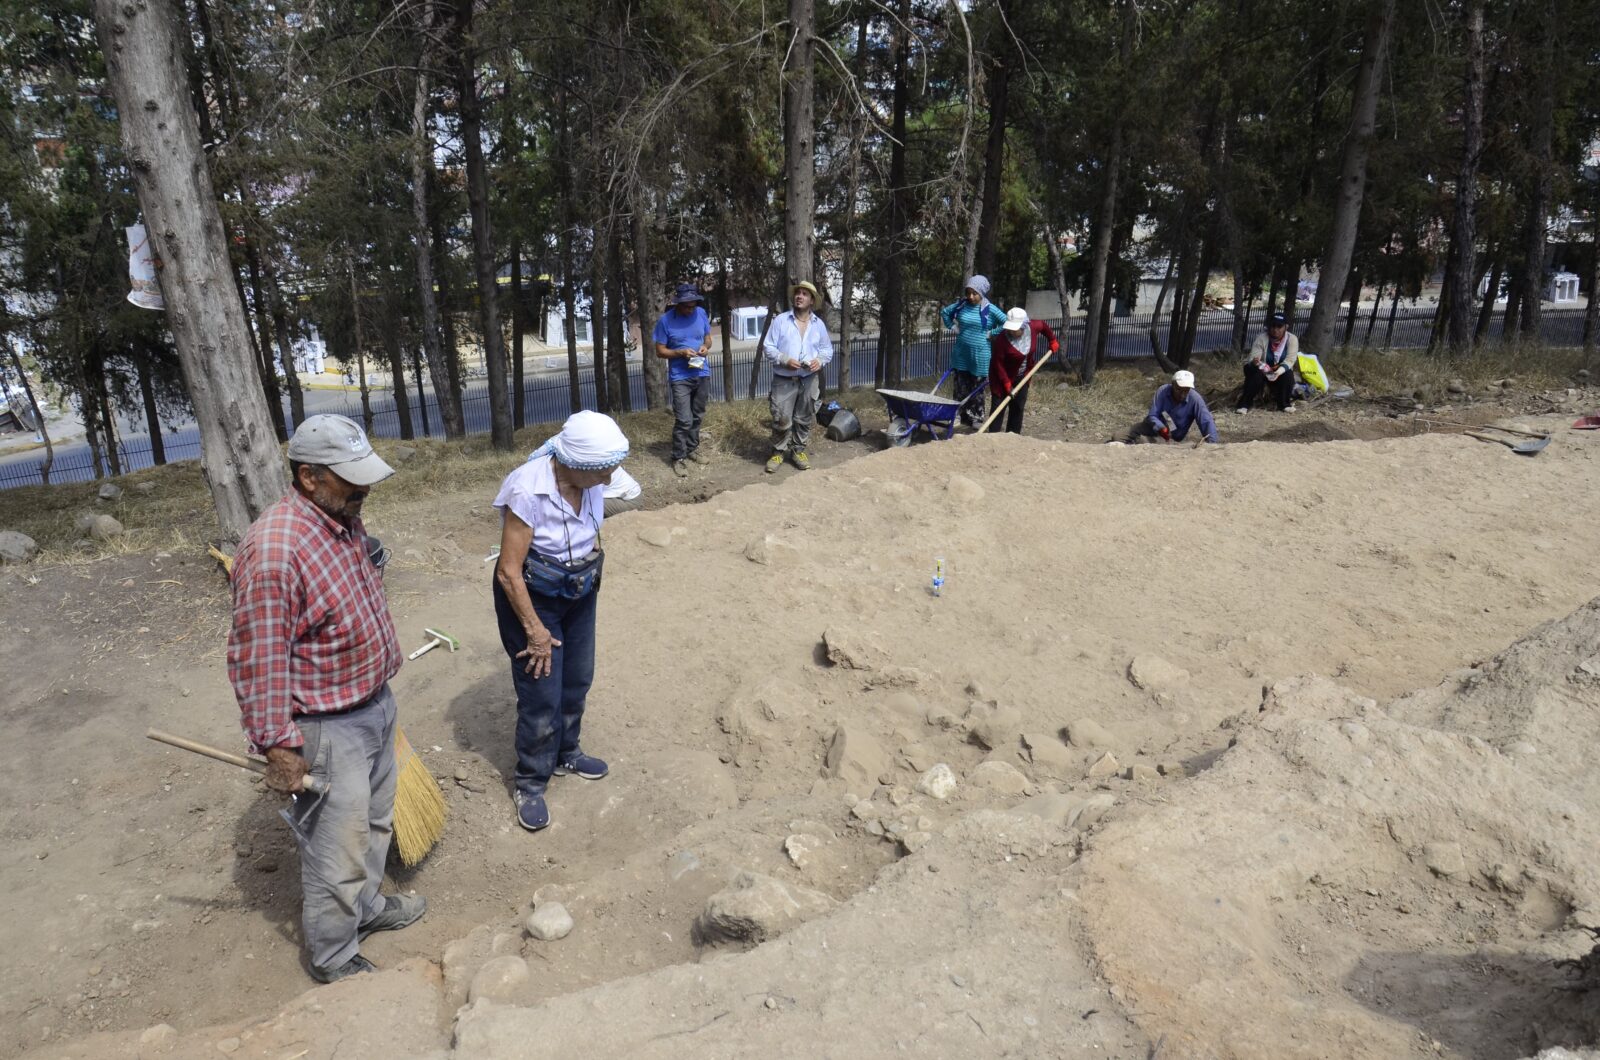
[[589, 441]]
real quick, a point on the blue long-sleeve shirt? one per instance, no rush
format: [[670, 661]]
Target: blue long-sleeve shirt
[[1184, 413]]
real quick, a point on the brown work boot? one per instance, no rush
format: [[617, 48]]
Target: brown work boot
[[700, 458], [680, 469]]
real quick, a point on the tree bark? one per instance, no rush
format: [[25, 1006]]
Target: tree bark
[[847, 245], [725, 304], [265, 340], [598, 320], [1105, 217], [38, 416], [519, 392], [649, 300], [1463, 222], [397, 379], [483, 256], [1532, 277], [142, 44], [447, 320], [1591, 315], [993, 167], [445, 389], [152, 415], [799, 144], [890, 325], [422, 395], [1166, 363], [280, 328], [1059, 276], [616, 317], [1491, 295], [361, 352], [1352, 178]]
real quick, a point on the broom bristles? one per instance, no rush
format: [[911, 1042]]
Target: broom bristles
[[418, 804]]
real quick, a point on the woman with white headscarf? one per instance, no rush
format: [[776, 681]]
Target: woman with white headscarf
[[544, 598]]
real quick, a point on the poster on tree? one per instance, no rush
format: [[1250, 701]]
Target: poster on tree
[[146, 292]]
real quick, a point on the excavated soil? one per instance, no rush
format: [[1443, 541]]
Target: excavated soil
[[1310, 857]]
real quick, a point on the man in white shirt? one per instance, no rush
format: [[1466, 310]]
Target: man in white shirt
[[798, 346]]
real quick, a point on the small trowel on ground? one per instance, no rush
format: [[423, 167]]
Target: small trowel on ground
[[439, 637]]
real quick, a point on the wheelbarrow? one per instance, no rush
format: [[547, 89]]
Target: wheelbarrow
[[910, 410]]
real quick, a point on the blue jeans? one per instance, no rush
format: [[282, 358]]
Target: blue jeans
[[550, 709], [344, 835]]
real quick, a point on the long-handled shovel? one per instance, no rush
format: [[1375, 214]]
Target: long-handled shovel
[[312, 784], [1001, 406], [1532, 447]]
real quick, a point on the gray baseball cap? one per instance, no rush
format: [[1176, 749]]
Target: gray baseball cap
[[341, 446]]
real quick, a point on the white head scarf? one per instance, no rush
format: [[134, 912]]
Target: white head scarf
[[589, 441]]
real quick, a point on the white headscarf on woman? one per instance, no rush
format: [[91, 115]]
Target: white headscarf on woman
[[981, 285], [589, 441]]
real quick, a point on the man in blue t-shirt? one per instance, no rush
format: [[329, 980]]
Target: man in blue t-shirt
[[683, 338]]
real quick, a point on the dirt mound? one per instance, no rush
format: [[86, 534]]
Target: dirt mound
[[777, 689], [1309, 431], [1386, 882]]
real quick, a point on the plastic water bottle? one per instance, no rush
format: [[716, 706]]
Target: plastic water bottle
[[938, 576]]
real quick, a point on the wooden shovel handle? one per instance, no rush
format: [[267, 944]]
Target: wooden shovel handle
[[1002, 405], [254, 765]]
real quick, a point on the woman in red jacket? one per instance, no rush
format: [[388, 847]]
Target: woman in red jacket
[[1013, 351]]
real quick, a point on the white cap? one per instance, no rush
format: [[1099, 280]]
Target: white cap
[[338, 444], [1182, 378], [1016, 319]]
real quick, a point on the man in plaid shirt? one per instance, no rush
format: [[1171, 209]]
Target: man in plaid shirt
[[310, 657]]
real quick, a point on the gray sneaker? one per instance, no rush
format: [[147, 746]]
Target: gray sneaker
[[354, 966], [399, 911], [680, 469]]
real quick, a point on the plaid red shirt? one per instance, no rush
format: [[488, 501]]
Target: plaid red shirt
[[311, 627]]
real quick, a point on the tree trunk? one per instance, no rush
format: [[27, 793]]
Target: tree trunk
[[39, 425], [725, 297], [1372, 319], [361, 353], [598, 319], [1105, 222], [108, 419], [1491, 294], [1352, 178], [1532, 285], [969, 255], [470, 108], [142, 45], [993, 166], [1197, 304], [447, 320], [1059, 276], [152, 415], [280, 328], [1355, 302], [519, 392], [265, 341], [445, 388], [1591, 315], [1463, 222], [893, 303], [1394, 308], [847, 246], [1166, 363], [649, 300], [397, 378], [799, 143], [422, 395], [1513, 317], [621, 386]]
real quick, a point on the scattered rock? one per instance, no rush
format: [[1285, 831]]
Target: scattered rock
[[992, 726], [161, 1036], [1154, 674], [16, 547], [918, 757], [800, 847], [1143, 773], [229, 1046], [915, 841], [755, 908], [1522, 747], [402, 453], [938, 782], [1444, 859], [1087, 733], [498, 979], [852, 650], [769, 550], [855, 757], [1171, 769], [1104, 766], [1048, 753], [110, 491], [1455, 386], [1066, 811], [659, 536], [964, 490], [104, 528], [548, 922], [1001, 778], [145, 487]]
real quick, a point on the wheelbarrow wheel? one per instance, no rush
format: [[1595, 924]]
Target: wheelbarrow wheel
[[900, 431]]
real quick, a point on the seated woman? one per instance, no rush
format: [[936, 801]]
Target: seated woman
[[545, 586]]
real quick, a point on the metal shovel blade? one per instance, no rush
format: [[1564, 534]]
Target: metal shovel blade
[[1530, 447]]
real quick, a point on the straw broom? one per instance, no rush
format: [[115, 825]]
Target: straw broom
[[418, 802]]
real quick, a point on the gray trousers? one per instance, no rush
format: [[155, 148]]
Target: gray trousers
[[794, 409], [688, 409], [344, 835]]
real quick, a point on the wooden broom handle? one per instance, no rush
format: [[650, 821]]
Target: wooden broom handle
[[311, 784], [1001, 407]]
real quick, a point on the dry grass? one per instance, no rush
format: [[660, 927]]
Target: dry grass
[[175, 513]]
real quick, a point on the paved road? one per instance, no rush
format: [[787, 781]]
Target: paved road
[[548, 399]]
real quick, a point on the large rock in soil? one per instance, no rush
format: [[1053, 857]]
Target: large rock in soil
[[856, 758], [755, 908], [16, 547]]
